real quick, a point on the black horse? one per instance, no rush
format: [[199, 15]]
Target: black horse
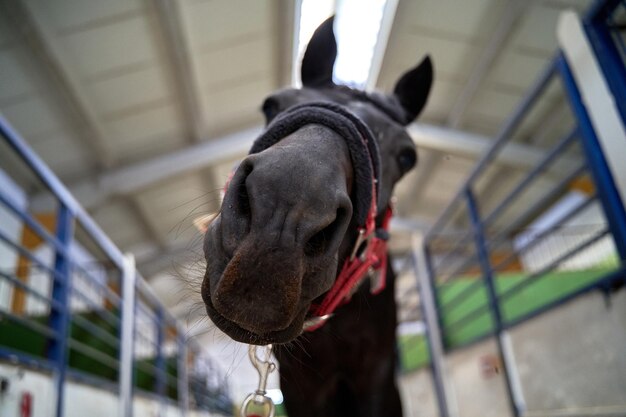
[[289, 222]]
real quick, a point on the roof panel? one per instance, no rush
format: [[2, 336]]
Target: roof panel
[[16, 79], [467, 19], [117, 220], [147, 124], [129, 90], [214, 22], [515, 71], [104, 48], [492, 105], [68, 14], [227, 65], [451, 58], [172, 205], [73, 159], [33, 116], [240, 105], [537, 30]]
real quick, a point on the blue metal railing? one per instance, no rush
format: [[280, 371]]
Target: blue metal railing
[[474, 297], [453, 261], [94, 341]]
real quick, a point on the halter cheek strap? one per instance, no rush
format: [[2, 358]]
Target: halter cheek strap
[[369, 255]]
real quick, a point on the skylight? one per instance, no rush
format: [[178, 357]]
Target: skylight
[[357, 27]]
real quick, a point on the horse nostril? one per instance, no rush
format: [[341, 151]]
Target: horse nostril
[[326, 238]]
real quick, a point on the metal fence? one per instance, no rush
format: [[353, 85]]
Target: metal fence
[[496, 259], [71, 303]]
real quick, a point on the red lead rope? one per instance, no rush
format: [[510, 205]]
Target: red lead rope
[[371, 260]]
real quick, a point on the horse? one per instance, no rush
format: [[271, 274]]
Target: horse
[[313, 196]]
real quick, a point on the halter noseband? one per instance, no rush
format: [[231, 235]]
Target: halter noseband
[[369, 254]]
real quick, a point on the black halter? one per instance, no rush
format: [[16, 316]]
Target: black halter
[[361, 144]]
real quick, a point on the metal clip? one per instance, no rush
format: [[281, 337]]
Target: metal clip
[[315, 321], [360, 239], [263, 405]]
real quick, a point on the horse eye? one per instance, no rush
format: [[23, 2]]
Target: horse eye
[[270, 109], [406, 160]]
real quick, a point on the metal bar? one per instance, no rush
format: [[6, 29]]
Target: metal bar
[[606, 187], [28, 254], [557, 151], [502, 138], [33, 224], [33, 325], [12, 355], [160, 357], [45, 174], [540, 205], [183, 379], [97, 382], [59, 320], [127, 337], [603, 283], [146, 291], [607, 54], [103, 335], [93, 353], [515, 402], [109, 294], [433, 284], [99, 310], [455, 249], [52, 303], [433, 336], [533, 277], [530, 279], [536, 239]]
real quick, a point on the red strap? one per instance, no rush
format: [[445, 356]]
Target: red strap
[[355, 270]]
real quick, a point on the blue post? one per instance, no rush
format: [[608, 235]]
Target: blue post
[[183, 383], [160, 358], [59, 319], [485, 265], [603, 179], [607, 53]]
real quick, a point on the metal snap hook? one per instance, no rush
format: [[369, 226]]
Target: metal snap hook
[[258, 400]]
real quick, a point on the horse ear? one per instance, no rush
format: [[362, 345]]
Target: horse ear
[[319, 57], [413, 87]]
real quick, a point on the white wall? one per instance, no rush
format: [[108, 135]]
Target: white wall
[[572, 358], [80, 400]]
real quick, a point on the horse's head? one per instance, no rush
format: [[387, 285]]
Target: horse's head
[[289, 215]]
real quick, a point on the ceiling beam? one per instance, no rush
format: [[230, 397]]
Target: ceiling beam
[[130, 179], [176, 50], [512, 12], [455, 142], [50, 57]]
